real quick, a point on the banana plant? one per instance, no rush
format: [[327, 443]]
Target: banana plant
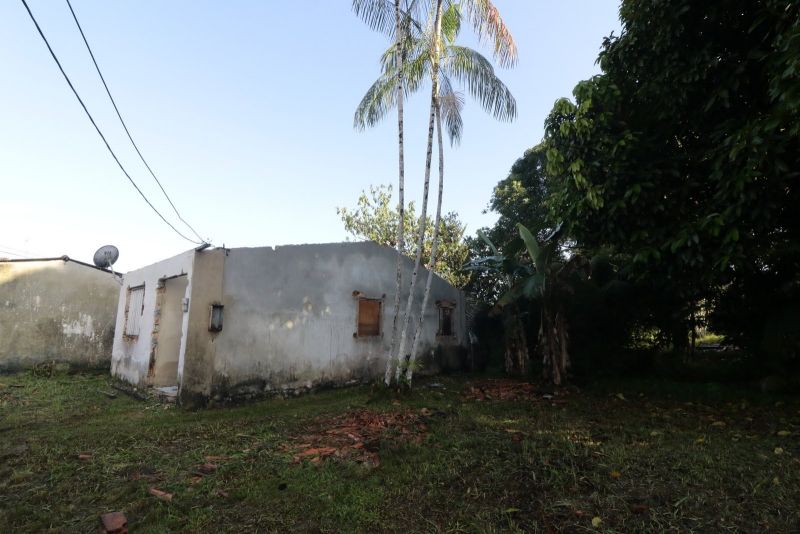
[[544, 277]]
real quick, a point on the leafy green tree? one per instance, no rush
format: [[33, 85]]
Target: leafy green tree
[[375, 219], [684, 153]]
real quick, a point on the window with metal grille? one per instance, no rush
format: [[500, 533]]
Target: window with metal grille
[[369, 317], [134, 310]]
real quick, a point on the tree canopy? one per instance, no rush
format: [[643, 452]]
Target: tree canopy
[[680, 164], [684, 152], [375, 219]]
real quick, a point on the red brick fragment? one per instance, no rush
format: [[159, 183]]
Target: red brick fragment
[[163, 495], [114, 523]]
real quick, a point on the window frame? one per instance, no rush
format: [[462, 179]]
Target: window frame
[[127, 327], [359, 298], [442, 305]]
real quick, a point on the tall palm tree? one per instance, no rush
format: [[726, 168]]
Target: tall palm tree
[[495, 97], [376, 14], [431, 53]]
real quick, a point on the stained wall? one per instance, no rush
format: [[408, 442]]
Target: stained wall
[[56, 310]]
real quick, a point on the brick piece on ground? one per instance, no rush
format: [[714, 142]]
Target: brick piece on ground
[[114, 523]]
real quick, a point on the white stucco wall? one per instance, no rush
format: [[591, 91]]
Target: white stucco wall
[[131, 357], [290, 313], [289, 317]]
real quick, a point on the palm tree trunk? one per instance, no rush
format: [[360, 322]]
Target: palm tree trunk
[[425, 189], [434, 248], [400, 55]]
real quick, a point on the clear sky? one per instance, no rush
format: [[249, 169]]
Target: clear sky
[[244, 110]]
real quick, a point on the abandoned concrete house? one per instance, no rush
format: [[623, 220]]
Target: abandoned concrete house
[[224, 323], [56, 310]]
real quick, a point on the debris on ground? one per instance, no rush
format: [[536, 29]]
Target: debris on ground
[[163, 495], [129, 390], [507, 389], [114, 523], [356, 436], [207, 468]]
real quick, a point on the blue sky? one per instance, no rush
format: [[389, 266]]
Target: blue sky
[[244, 110]]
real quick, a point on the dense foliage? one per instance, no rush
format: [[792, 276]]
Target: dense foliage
[[375, 219], [680, 163]]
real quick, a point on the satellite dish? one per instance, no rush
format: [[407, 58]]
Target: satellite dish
[[106, 256]]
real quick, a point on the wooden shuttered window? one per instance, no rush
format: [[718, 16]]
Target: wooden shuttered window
[[369, 317]]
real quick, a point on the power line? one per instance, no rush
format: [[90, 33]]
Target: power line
[[11, 253], [100, 133], [108, 91], [19, 251]]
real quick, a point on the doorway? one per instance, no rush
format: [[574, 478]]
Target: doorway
[[169, 332]]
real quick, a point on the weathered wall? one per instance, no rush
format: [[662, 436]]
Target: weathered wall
[[170, 331], [55, 310], [131, 356], [196, 366], [290, 315]]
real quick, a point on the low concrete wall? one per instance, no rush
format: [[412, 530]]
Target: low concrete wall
[[290, 316], [56, 310], [289, 319]]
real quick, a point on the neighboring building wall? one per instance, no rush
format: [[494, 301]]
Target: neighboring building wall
[[56, 310], [290, 315], [132, 355]]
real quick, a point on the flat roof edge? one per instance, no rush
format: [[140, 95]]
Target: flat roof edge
[[63, 258]]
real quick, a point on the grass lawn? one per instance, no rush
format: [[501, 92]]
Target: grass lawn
[[626, 457]]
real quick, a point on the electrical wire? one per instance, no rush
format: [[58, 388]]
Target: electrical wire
[[21, 252], [11, 253], [99, 132], [119, 115]]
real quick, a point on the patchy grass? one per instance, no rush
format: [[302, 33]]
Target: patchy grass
[[622, 457]]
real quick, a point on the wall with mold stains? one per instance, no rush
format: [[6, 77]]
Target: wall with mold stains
[[290, 316], [56, 310], [131, 356]]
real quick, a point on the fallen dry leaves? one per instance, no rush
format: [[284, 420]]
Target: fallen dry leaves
[[356, 436], [507, 389]]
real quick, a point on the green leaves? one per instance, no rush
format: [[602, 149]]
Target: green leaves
[[375, 219], [534, 251], [422, 50]]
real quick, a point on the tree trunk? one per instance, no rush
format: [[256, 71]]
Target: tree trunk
[[400, 58], [516, 344], [434, 247], [424, 210], [553, 344], [694, 330]]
